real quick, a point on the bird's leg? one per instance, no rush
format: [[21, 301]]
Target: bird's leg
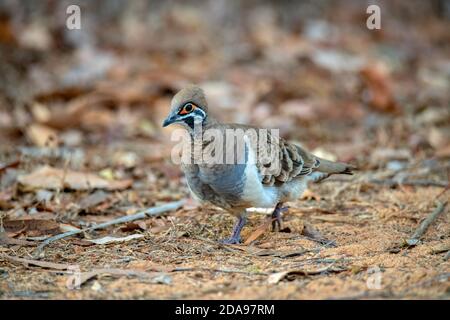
[[276, 216], [236, 234]]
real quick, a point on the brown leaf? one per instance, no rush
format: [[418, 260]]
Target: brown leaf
[[314, 234], [378, 83], [73, 113], [131, 226], [34, 227], [258, 232], [42, 136], [93, 199], [278, 276], [443, 152], [53, 178], [4, 239]]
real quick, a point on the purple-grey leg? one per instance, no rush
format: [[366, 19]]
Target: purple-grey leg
[[276, 216], [236, 234]]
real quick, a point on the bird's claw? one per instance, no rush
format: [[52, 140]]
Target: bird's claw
[[231, 240], [276, 217]]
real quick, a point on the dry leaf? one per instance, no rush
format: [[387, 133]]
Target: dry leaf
[[93, 199], [108, 239], [314, 234], [42, 136], [278, 276], [52, 178], [160, 278], [131, 226], [258, 232], [4, 239], [67, 227], [33, 227], [379, 85]]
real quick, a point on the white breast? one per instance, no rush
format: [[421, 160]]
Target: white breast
[[255, 193]]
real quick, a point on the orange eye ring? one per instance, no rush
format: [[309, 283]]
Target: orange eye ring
[[187, 108]]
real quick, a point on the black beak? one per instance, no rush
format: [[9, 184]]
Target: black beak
[[169, 120]]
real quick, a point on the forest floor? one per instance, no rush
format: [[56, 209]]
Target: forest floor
[[81, 143]]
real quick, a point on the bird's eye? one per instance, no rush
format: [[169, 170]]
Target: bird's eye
[[187, 108]]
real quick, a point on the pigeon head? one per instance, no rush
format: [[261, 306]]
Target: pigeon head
[[188, 107]]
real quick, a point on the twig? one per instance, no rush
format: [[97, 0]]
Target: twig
[[13, 164], [151, 212], [218, 270], [419, 183], [423, 227], [42, 264]]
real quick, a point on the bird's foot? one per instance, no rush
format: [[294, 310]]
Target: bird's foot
[[236, 235], [231, 240], [277, 215]]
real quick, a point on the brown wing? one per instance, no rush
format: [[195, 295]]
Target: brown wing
[[286, 161], [292, 161]]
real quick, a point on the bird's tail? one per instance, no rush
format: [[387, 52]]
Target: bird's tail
[[331, 167]]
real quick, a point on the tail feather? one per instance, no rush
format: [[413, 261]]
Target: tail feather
[[331, 167]]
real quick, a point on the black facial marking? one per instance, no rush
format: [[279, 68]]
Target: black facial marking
[[189, 121]]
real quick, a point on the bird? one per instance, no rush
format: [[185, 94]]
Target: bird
[[245, 182]]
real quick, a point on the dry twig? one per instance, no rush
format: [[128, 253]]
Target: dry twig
[[423, 227], [417, 183], [151, 212]]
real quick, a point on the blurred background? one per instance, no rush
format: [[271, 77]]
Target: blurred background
[[92, 101], [94, 98]]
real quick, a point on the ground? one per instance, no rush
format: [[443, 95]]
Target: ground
[[190, 264], [81, 143]]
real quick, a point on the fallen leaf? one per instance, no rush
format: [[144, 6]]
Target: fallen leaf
[[33, 227], [93, 199], [4, 239], [258, 232], [378, 84], [131, 226], [315, 235], [274, 278], [47, 177], [67, 227], [86, 276], [42, 136], [109, 239], [443, 152], [73, 113]]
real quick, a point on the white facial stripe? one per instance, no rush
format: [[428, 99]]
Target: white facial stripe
[[201, 111], [194, 114]]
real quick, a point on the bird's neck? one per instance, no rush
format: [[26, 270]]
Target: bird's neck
[[198, 131]]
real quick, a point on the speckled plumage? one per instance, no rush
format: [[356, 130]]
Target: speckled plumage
[[236, 187]]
